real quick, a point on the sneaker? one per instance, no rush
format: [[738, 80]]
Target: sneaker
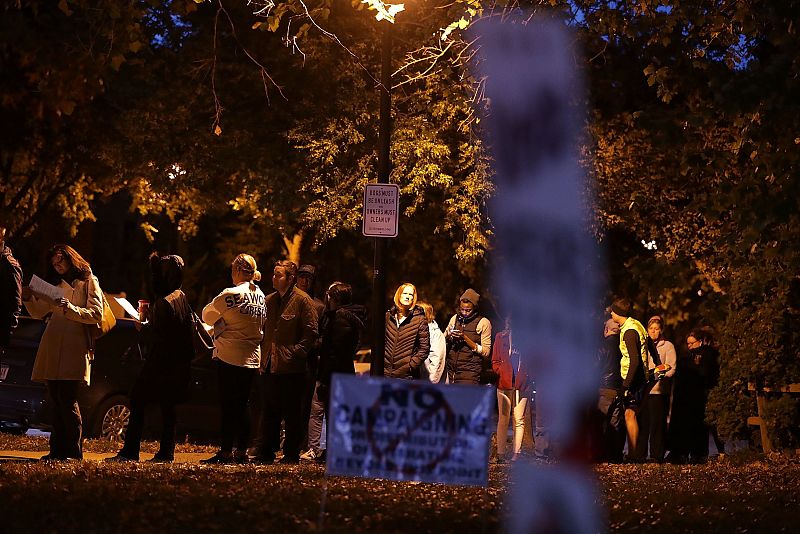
[[119, 458], [222, 457], [310, 455], [50, 457], [290, 460], [322, 457], [241, 457], [263, 460]]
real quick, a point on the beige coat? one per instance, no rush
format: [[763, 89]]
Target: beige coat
[[64, 350]]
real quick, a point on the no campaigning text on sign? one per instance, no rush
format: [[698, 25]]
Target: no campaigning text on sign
[[410, 430], [380, 213]]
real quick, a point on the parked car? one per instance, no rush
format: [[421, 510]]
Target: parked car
[[105, 405]]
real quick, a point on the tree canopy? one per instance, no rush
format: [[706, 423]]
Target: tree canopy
[[235, 125]]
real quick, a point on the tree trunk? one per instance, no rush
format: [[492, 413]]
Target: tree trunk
[[293, 245]]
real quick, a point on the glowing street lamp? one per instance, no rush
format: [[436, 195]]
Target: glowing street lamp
[[387, 12]]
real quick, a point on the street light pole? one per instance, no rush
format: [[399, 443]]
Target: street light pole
[[384, 168]]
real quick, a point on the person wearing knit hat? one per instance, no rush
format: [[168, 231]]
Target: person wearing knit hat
[[633, 368], [469, 340]]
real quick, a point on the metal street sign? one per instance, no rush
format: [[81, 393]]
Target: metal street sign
[[381, 203]]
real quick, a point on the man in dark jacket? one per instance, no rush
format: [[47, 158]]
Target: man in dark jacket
[[10, 291], [289, 334]]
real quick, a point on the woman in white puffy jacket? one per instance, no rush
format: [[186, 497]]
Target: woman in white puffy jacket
[[238, 315], [433, 366]]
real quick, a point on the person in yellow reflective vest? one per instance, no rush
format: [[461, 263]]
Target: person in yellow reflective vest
[[633, 368]]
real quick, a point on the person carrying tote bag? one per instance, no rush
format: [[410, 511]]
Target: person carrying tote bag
[[63, 360]]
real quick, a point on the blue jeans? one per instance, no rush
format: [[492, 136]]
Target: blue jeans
[[319, 407]]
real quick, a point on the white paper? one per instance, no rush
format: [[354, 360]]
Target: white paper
[[40, 287], [128, 307]]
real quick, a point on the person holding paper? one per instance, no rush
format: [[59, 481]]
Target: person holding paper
[[64, 355], [238, 315], [166, 374]]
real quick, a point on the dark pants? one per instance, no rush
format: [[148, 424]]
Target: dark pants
[[234, 390], [65, 439], [283, 398], [653, 426], [688, 433], [133, 435], [612, 428]]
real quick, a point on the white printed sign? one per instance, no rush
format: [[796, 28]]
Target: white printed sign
[[410, 430], [381, 203]]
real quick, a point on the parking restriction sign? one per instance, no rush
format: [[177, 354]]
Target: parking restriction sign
[[381, 202]]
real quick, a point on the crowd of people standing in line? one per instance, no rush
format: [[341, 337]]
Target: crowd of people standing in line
[[290, 344], [649, 395]]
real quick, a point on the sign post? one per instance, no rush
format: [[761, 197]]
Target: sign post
[[380, 220]]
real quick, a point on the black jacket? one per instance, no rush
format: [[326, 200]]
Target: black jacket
[[407, 344], [340, 333], [291, 328], [608, 362], [169, 350], [10, 294]]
